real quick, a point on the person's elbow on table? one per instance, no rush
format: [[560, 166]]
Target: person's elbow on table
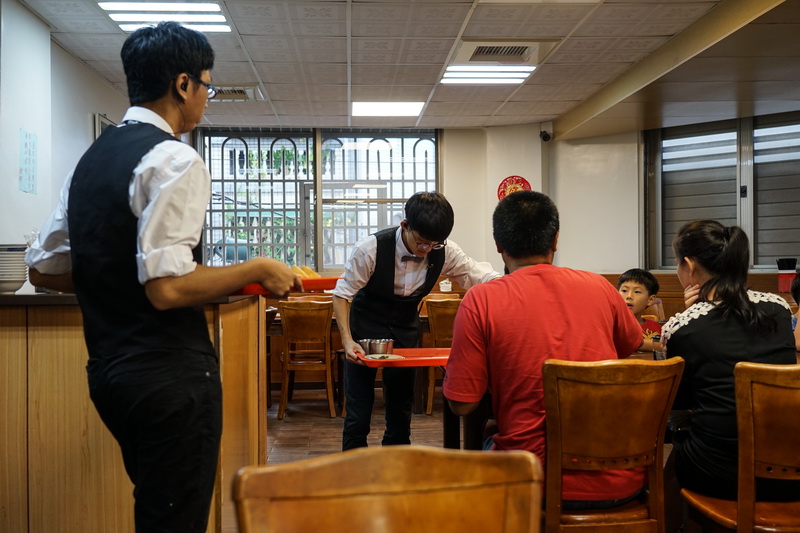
[[462, 408]]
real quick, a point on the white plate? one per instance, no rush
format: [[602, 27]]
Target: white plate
[[383, 356]]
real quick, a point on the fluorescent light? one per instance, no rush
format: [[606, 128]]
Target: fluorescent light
[[160, 17], [487, 74], [481, 81], [491, 68], [204, 17], [387, 109], [158, 6], [203, 28]]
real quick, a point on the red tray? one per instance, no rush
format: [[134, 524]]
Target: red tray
[[309, 284], [411, 357]]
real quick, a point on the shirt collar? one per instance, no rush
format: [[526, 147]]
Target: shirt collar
[[142, 114]]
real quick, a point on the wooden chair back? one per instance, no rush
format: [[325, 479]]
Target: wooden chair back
[[393, 489], [608, 415], [441, 315], [656, 310], [768, 421], [306, 340], [321, 297], [423, 305]]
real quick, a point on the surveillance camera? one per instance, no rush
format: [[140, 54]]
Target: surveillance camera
[[543, 135]]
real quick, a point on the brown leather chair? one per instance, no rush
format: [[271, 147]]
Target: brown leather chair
[[393, 489], [441, 315], [608, 415], [768, 420], [306, 345]]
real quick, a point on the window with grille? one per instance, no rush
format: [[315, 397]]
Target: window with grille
[[743, 172], [270, 199]]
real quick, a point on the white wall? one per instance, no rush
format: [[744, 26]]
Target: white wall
[[78, 93], [595, 184], [24, 105]]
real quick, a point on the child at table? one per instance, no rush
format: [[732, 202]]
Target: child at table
[[639, 288]]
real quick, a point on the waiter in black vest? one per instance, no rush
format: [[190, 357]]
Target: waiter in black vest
[[125, 238], [385, 279]]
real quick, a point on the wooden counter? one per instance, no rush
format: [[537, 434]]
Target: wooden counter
[[60, 468]]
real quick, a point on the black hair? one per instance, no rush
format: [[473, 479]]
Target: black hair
[[642, 277], [430, 215], [724, 253], [795, 288], [525, 223], [155, 55]]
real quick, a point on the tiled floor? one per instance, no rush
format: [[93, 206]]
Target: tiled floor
[[307, 430]]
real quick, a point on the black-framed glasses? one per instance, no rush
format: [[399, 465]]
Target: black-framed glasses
[[422, 246], [212, 91]]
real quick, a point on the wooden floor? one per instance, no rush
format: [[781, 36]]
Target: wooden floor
[[307, 430]]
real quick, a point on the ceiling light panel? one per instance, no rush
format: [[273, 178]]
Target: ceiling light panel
[[205, 17]]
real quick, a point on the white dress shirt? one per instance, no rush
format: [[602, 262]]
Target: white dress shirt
[[409, 275], [169, 193]]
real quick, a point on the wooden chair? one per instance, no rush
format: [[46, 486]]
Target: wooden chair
[[768, 420], [441, 315], [393, 489], [270, 314], [306, 345], [655, 311], [608, 415]]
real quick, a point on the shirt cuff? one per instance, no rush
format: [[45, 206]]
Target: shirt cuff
[[172, 261]]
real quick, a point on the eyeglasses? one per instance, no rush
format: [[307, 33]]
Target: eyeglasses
[[212, 91], [428, 245]]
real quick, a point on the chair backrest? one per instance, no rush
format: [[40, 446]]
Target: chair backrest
[[768, 418], [441, 315], [393, 489], [306, 327], [423, 305], [321, 297], [656, 310], [608, 415]]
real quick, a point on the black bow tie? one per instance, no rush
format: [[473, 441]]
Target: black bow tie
[[412, 258]]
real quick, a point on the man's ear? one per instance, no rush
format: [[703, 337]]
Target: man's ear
[[555, 241]]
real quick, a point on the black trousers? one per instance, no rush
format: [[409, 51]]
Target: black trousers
[[359, 386], [165, 410]]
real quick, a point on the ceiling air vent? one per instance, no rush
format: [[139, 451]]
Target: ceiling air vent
[[516, 54], [228, 93], [502, 52]]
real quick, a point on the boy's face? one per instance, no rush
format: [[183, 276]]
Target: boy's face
[[637, 297]]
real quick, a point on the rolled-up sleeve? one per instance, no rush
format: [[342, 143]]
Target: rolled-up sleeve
[[169, 195], [50, 251], [464, 270]]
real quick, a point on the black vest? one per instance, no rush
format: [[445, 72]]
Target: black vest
[[118, 318], [378, 313]]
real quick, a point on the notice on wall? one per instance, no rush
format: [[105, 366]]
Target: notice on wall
[[28, 161]]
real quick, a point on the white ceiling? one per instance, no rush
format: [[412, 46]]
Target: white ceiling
[[607, 66]]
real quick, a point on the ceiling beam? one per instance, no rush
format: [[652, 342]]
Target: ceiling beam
[[723, 20]]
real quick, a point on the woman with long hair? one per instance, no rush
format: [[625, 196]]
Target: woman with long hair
[[725, 324]]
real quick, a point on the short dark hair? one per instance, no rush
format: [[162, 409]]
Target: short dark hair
[[430, 215], [795, 289], [154, 56], [642, 277], [525, 223]]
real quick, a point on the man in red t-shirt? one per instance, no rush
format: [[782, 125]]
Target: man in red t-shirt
[[506, 328]]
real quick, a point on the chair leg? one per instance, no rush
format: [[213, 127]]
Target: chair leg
[[329, 389], [284, 393], [269, 381], [431, 389], [291, 385]]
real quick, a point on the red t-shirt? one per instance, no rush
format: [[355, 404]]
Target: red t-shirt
[[650, 328], [504, 331]]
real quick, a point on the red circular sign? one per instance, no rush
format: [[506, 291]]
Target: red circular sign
[[512, 184]]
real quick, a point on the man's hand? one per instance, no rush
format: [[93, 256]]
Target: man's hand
[[352, 349]]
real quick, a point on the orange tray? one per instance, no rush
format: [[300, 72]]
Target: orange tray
[[309, 284], [411, 357]]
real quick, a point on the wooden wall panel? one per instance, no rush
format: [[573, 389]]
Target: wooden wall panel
[[13, 417]]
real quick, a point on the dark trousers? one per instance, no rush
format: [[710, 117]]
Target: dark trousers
[[165, 410], [359, 386]]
